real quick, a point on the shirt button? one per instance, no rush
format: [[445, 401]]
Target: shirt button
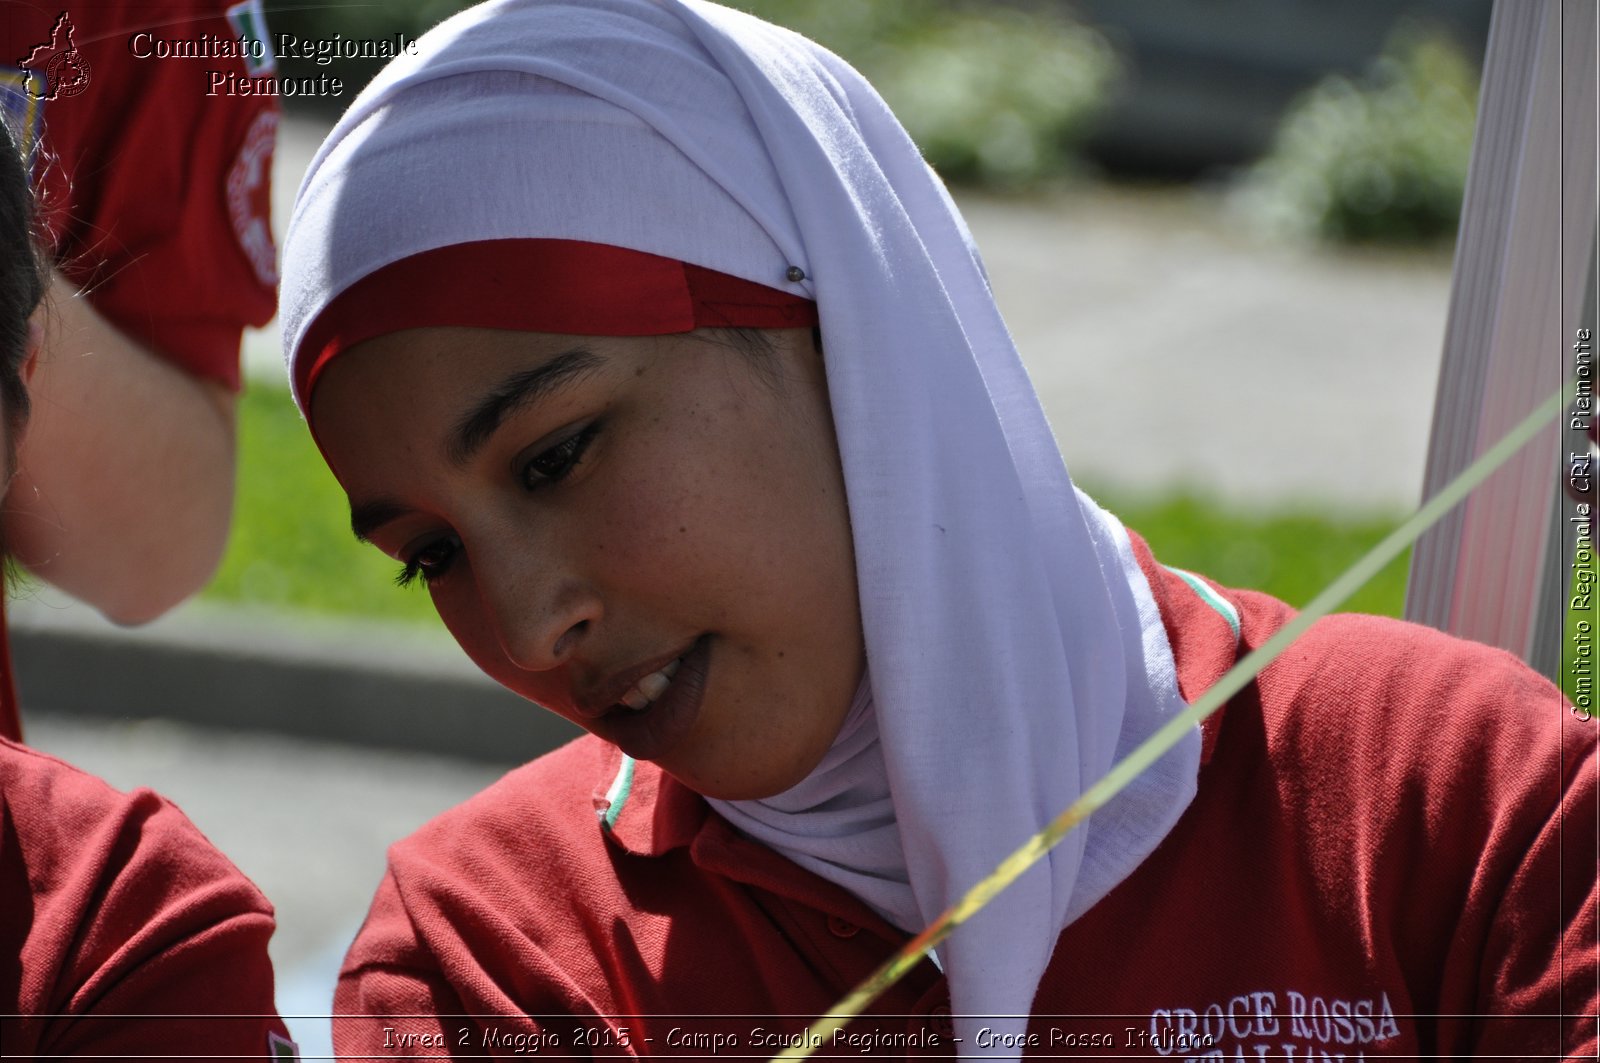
[[941, 1021], [842, 928]]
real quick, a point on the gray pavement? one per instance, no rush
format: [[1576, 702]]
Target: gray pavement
[[1172, 349], [1169, 348]]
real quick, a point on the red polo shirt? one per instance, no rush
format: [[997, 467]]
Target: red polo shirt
[[123, 932], [1391, 854]]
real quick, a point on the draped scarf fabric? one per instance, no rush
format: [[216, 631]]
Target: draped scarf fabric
[[1014, 648]]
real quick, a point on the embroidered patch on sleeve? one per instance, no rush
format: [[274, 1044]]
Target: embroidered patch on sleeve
[[249, 198]]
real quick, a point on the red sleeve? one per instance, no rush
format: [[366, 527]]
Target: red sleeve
[[128, 934], [1544, 944], [384, 975], [154, 193], [394, 1001]]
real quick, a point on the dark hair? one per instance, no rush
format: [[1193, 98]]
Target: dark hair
[[22, 283]]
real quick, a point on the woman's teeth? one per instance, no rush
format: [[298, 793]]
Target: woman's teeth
[[651, 687]]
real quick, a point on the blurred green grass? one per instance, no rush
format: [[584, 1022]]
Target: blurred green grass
[[292, 547], [1291, 554]]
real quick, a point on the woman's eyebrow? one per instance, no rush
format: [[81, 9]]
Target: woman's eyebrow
[[522, 388], [368, 517]]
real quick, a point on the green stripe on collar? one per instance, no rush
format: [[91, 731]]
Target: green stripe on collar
[[1223, 607], [617, 793]]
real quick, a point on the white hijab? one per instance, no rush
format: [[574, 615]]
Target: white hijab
[[1015, 651]]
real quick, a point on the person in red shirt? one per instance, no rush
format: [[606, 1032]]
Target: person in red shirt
[[154, 204], [124, 932], [1362, 873], [640, 334]]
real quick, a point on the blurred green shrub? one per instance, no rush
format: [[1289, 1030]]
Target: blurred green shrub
[[1001, 97], [992, 94], [1380, 159]]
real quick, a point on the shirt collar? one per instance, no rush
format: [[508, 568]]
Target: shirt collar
[[1205, 628], [642, 809]]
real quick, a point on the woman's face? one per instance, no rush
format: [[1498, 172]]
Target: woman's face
[[647, 536]]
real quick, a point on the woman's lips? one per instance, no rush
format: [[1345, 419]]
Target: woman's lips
[[652, 732]]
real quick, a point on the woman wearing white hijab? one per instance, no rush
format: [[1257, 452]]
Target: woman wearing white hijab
[[836, 583]]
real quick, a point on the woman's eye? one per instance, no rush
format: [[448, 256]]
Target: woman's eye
[[552, 465], [430, 562]]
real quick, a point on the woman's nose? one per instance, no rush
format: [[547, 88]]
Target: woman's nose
[[540, 613]]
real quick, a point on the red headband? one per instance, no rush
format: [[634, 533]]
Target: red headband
[[535, 285]]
